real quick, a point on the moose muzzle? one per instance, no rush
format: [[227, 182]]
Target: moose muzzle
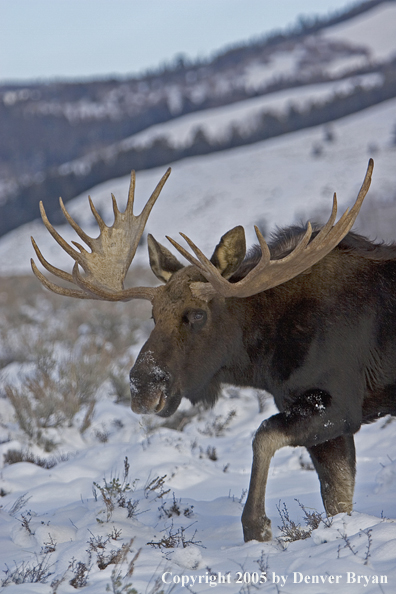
[[149, 385]]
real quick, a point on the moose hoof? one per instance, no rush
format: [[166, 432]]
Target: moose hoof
[[259, 529]]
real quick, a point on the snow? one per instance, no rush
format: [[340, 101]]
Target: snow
[[375, 29], [61, 506], [282, 65], [217, 122]]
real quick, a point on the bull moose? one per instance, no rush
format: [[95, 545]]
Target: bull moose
[[310, 318]]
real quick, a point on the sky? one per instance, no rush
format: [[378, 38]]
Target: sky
[[79, 39]]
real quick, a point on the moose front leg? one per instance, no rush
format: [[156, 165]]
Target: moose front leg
[[256, 525], [310, 421]]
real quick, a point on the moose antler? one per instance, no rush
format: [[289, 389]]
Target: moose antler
[[270, 273], [107, 264]]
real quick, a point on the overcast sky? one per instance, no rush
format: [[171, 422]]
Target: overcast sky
[[43, 39]]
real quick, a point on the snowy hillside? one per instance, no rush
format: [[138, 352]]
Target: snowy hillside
[[375, 30], [217, 123], [271, 183], [337, 67]]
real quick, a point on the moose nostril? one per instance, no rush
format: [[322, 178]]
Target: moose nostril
[[149, 387], [160, 375]]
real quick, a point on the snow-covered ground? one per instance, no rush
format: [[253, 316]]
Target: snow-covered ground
[[56, 510]]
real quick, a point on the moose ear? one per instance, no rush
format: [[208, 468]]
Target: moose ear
[[162, 262], [230, 252]]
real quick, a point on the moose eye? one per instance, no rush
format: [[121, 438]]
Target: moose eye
[[195, 317]]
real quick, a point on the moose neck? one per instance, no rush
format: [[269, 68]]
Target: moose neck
[[275, 335], [250, 357]]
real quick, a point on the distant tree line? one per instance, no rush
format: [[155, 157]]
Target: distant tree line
[[239, 52], [34, 138]]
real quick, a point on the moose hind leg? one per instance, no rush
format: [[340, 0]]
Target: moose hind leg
[[334, 461]]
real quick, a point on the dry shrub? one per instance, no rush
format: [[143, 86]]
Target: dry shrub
[[57, 390], [13, 456], [73, 345], [31, 318]]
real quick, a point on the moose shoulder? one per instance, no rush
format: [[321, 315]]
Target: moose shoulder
[[310, 319]]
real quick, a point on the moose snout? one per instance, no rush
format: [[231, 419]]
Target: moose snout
[[149, 388]]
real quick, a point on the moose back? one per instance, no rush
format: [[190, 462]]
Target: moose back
[[310, 318]]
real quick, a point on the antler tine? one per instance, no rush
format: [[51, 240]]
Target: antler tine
[[56, 288], [56, 271], [97, 216], [300, 248], [80, 247], [328, 226], [185, 253], [58, 238], [153, 198], [88, 240], [344, 225], [115, 207], [263, 245], [131, 193], [52, 269], [364, 189], [270, 273]]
